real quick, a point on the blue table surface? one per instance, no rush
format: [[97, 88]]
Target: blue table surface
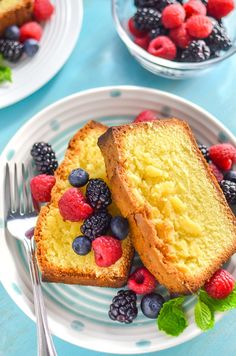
[[101, 59]]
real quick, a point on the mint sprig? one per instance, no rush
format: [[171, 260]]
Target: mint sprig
[[5, 72], [219, 304], [172, 318], [204, 316]]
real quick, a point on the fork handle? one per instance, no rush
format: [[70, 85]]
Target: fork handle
[[45, 342]]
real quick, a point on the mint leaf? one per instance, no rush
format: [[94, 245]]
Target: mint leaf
[[172, 319], [219, 304], [204, 316], [5, 72]]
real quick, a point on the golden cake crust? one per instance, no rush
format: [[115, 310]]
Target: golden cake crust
[[107, 277], [144, 236], [18, 15]]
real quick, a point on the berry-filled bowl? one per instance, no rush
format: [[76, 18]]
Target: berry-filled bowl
[[34, 43], [86, 315], [177, 39]]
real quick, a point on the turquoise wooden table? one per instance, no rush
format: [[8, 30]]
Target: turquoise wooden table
[[101, 59]]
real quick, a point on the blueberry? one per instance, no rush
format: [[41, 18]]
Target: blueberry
[[230, 175], [31, 47], [78, 177], [151, 305], [12, 33], [119, 227], [81, 245]]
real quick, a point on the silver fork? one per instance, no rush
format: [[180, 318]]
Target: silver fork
[[20, 217]]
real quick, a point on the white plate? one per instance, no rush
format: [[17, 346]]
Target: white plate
[[60, 35], [78, 314]]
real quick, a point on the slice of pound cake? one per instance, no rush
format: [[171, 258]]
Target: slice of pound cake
[[54, 236], [15, 12], [182, 226]]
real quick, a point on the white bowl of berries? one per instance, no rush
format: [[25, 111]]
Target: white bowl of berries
[[174, 38]]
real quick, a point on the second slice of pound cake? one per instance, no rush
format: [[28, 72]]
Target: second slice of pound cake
[[182, 226], [57, 260]]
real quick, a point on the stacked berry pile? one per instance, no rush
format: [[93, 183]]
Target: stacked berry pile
[[189, 32], [100, 232], [25, 39]]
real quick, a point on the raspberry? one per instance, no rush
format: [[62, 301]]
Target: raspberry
[[142, 41], [107, 250], [223, 155], [41, 187], [220, 285], [173, 16], [199, 26], [43, 10], [30, 30], [217, 173], [141, 281], [73, 207], [162, 47], [147, 115], [219, 8], [180, 36], [133, 30], [194, 7]]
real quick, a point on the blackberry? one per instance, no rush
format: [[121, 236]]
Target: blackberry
[[229, 190], [44, 158], [156, 4], [123, 307], [197, 51], [205, 152], [96, 225], [205, 2], [98, 194], [145, 19], [218, 39], [11, 50], [147, 3], [159, 31]]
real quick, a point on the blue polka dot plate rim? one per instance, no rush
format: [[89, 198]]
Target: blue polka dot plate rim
[[78, 314]]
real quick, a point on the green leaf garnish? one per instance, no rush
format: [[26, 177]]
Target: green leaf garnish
[[219, 304], [5, 72], [172, 318], [204, 316]]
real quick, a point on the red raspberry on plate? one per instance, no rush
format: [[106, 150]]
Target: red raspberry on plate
[[199, 26], [133, 30], [142, 41], [146, 115], [163, 47], [194, 7], [107, 250], [173, 16], [73, 206], [31, 30], [219, 8], [41, 187], [43, 10], [141, 281], [223, 155], [217, 173], [220, 285], [180, 36]]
